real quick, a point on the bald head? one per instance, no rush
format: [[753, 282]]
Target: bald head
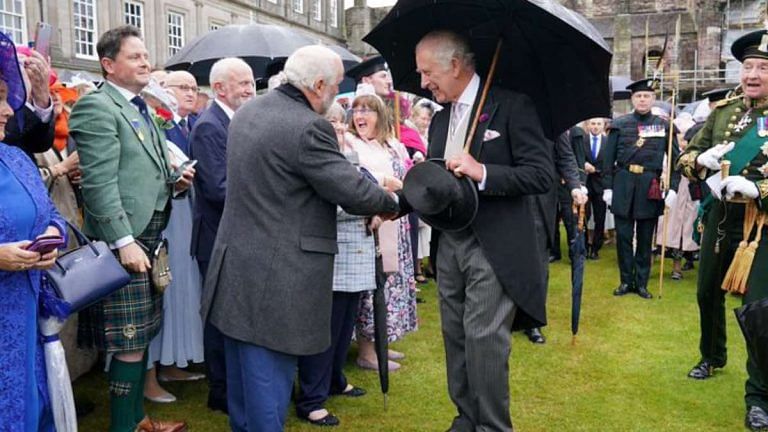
[[184, 88], [317, 71]]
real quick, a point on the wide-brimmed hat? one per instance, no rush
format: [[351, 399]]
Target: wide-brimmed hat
[[444, 201], [10, 72]]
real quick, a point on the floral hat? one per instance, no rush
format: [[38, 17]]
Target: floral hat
[[10, 72]]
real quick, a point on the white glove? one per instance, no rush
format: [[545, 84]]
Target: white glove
[[711, 158], [584, 190], [608, 197], [670, 199], [738, 184], [579, 196]]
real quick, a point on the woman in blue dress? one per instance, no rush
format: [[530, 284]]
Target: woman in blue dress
[[26, 213]]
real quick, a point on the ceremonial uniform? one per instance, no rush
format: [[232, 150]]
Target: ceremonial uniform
[[633, 161], [744, 122]]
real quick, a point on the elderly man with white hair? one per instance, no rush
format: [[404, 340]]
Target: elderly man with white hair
[[232, 83], [269, 284]]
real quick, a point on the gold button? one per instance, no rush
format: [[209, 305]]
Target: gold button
[[738, 110], [765, 112], [727, 133], [733, 118], [745, 172], [730, 125]]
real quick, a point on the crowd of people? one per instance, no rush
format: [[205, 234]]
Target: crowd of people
[[274, 209]]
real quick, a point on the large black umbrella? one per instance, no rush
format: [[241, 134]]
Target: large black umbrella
[[577, 251], [258, 44], [549, 52], [753, 320]]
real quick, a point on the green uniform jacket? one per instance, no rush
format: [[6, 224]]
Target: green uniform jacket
[[124, 165], [630, 190], [721, 127]]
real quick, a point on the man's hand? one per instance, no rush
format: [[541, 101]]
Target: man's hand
[[579, 196], [185, 181], [670, 199], [374, 223], [738, 184], [465, 165], [608, 197], [392, 184], [38, 71], [133, 258], [710, 159], [589, 168]]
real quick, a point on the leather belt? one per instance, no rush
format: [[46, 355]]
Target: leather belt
[[635, 169]]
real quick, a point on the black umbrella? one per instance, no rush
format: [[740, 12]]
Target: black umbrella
[[381, 339], [548, 52], [753, 320], [258, 44], [348, 59], [577, 252]]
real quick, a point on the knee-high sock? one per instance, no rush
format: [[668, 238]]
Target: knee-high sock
[[138, 408], [124, 384]]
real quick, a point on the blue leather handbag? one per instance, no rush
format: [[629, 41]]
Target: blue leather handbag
[[83, 276]]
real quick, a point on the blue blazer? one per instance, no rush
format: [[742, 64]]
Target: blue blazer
[[176, 136], [208, 144]]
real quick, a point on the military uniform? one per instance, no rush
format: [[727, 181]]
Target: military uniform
[[732, 120], [634, 158]]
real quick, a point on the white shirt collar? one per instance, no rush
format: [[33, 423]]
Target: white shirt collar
[[177, 118], [127, 94], [227, 110], [470, 92]]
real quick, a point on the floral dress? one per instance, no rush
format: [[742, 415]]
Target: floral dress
[[400, 287]]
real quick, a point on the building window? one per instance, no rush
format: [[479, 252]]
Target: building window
[[12, 20], [84, 13], [298, 6], [317, 10], [175, 32], [334, 12], [134, 14], [215, 26]]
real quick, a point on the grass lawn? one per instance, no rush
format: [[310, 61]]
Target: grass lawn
[[627, 371]]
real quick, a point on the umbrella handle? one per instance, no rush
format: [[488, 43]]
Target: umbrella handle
[[580, 210], [484, 95]]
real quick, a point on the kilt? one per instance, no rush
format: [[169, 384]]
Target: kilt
[[129, 318]]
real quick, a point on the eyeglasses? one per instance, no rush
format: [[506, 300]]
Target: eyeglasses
[[185, 88], [362, 111]]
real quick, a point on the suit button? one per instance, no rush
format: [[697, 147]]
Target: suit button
[[727, 133], [745, 172]]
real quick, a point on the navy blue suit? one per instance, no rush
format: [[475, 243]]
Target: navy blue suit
[[208, 144], [178, 137]]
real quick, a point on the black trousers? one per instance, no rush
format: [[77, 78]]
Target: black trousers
[[564, 212], [215, 363], [322, 375], [634, 266]]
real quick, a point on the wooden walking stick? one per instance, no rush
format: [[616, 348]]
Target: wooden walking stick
[[666, 181], [483, 96]]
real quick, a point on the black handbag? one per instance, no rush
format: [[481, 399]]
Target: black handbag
[[83, 276]]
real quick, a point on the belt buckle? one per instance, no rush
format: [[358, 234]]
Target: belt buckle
[[636, 169]]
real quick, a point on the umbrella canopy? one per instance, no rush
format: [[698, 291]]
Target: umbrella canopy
[[619, 87], [258, 44], [549, 52], [753, 320]]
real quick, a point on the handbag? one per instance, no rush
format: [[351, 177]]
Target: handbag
[[87, 274]]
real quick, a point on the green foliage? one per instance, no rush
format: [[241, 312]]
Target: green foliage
[[627, 371]]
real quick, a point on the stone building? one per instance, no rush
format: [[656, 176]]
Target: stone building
[[167, 24]]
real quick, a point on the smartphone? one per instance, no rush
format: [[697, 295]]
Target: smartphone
[[43, 39], [177, 173], [46, 244]]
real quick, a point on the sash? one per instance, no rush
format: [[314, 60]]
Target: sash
[[746, 149]]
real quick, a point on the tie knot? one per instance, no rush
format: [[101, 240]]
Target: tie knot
[[139, 102], [594, 138], [183, 123]]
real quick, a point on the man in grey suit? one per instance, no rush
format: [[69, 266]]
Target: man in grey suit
[[269, 284], [489, 274]]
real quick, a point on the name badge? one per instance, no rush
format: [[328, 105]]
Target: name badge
[[652, 131], [762, 127]]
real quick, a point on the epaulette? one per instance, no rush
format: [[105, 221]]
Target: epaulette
[[728, 100]]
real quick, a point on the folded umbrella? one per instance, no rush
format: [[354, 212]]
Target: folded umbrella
[[753, 320], [578, 252], [381, 338]]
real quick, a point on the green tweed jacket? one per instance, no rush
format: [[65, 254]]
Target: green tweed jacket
[[124, 165]]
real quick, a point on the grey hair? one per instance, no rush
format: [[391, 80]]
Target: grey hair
[[276, 81], [447, 45], [223, 67], [309, 64], [336, 110]]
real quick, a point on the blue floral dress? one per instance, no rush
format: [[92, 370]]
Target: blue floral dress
[[25, 213]]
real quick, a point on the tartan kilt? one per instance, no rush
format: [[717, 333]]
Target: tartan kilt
[[131, 317]]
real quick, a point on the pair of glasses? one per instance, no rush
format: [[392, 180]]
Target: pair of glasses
[[362, 111], [185, 88]]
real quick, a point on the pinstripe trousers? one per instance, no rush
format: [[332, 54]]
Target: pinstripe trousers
[[476, 317]]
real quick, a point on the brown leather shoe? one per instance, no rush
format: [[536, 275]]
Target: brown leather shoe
[[149, 425]]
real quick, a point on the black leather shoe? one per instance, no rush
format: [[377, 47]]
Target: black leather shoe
[[688, 265], [535, 336], [553, 258], [622, 290], [703, 370], [216, 404], [329, 420], [757, 419], [354, 392], [643, 292]]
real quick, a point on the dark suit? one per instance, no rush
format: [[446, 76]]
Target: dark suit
[[208, 144], [596, 206], [560, 202], [26, 131], [269, 284], [498, 253], [180, 136]]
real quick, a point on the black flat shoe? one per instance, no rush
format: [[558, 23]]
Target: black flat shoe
[[756, 419], [622, 290], [535, 336], [643, 292], [354, 392], [329, 420], [703, 370]]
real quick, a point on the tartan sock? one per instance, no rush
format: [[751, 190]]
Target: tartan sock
[[124, 379], [138, 407]]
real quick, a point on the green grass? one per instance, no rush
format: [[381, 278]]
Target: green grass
[[627, 371]]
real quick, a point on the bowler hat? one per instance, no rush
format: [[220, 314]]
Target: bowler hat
[[444, 201]]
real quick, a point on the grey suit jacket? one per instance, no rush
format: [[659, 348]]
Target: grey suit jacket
[[270, 277]]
